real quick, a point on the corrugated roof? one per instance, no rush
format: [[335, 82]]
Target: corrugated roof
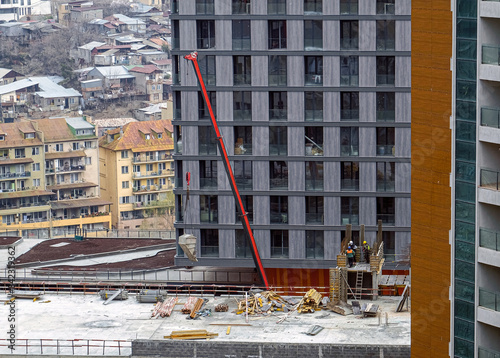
[[91, 45], [128, 20], [55, 129], [17, 85], [79, 203], [61, 155], [79, 123], [50, 89], [114, 72], [154, 108], [133, 139], [14, 135]]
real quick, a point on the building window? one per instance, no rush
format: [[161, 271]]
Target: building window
[[208, 209], [247, 201], [349, 210], [46, 148], [276, 34], [35, 151], [313, 140], [276, 7], [176, 67], [385, 7], [125, 184], [349, 141], [386, 176], [348, 7], [313, 7], [209, 242], [242, 70], [278, 141], [349, 71], [278, 171], [241, 6], [315, 244], [242, 140], [278, 106], [385, 141], [204, 7], [20, 153], [29, 135], [313, 35], [386, 208], [242, 106], [124, 154], [177, 97], [76, 146], [386, 70], [36, 182], [205, 30], [277, 70], [207, 141], [207, 69], [124, 199], [315, 210], [388, 237], [279, 209], [386, 35], [208, 174], [313, 106], [349, 176], [243, 248], [349, 106], [314, 175], [124, 169], [241, 35], [313, 70], [243, 174], [35, 167], [349, 35], [386, 106], [59, 147], [203, 112]]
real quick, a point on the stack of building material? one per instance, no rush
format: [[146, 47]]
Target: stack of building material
[[165, 308], [189, 305], [197, 306], [195, 334], [26, 294], [310, 302], [264, 303], [106, 294], [369, 310], [151, 296], [221, 308]]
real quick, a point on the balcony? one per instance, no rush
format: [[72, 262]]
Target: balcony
[[242, 149], [242, 115], [209, 216], [349, 219], [278, 218], [278, 184], [490, 63], [313, 44], [349, 114], [14, 175], [489, 131], [488, 191], [386, 185], [65, 169], [489, 8], [385, 80], [349, 150], [349, 184], [276, 7], [208, 183], [277, 149], [149, 204], [388, 219], [487, 353], [385, 150], [489, 247], [315, 218], [349, 80], [313, 80], [241, 44], [242, 79], [277, 80], [314, 184], [278, 115], [151, 188], [165, 172], [244, 184], [313, 115], [152, 158], [489, 299], [386, 115]]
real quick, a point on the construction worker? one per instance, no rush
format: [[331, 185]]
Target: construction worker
[[366, 251], [354, 248], [350, 256]]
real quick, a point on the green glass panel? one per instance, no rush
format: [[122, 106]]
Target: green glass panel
[[464, 270], [466, 49], [464, 310], [466, 90], [464, 211], [466, 110], [466, 131], [465, 151], [465, 232], [465, 251], [465, 191], [464, 290], [465, 171], [464, 349], [466, 70], [466, 28], [464, 329], [466, 8]]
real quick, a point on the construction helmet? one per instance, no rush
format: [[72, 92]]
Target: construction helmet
[[349, 248], [350, 243], [364, 242]]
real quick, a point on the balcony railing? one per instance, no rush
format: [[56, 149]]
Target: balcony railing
[[276, 7], [489, 299], [205, 9], [349, 184], [385, 150], [207, 149], [152, 158], [278, 114], [243, 149], [210, 251], [279, 183], [314, 218], [313, 80], [313, 44], [15, 175], [491, 55], [208, 183], [386, 116], [313, 150], [137, 175], [209, 216], [349, 114], [278, 218], [385, 80], [242, 79], [349, 150], [241, 44], [242, 115], [314, 184], [389, 219], [483, 352], [490, 117], [386, 185], [489, 239], [277, 149], [244, 184], [349, 80], [314, 115], [277, 80], [350, 219], [71, 168], [386, 45], [349, 44], [490, 179], [151, 188]]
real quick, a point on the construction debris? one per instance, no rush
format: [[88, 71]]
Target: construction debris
[[165, 308], [189, 305], [404, 298], [187, 243], [195, 334], [310, 302], [314, 330], [340, 309], [369, 309], [200, 302], [221, 308], [264, 303], [113, 295]]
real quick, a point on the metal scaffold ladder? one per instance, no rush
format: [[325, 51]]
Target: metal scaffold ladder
[[359, 284]]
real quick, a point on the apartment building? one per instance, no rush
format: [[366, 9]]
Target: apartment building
[[313, 100], [49, 177], [137, 173]]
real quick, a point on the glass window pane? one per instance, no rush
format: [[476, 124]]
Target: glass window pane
[[464, 290], [464, 310], [465, 191], [464, 211], [465, 251], [464, 271], [465, 171]]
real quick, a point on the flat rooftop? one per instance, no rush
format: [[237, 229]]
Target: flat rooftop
[[82, 317]]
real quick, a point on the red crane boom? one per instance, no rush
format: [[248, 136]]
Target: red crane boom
[[227, 165]]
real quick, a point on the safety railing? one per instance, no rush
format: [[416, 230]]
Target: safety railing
[[484, 352], [489, 239], [490, 179], [489, 299]]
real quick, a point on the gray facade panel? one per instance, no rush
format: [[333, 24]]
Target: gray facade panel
[[331, 73], [403, 212], [403, 177], [187, 7], [367, 35], [295, 35], [186, 67], [259, 7], [295, 71], [403, 137], [371, 237], [295, 7], [259, 73], [367, 73], [188, 38], [332, 244], [222, 7], [332, 210], [224, 106], [259, 35], [367, 8], [194, 205], [296, 170], [403, 71], [402, 241], [367, 141], [228, 137], [224, 70], [296, 142], [189, 105], [223, 181], [190, 147], [261, 181], [331, 177], [226, 244], [331, 143], [260, 140], [367, 174], [296, 212], [260, 106], [367, 107], [367, 210], [331, 107], [403, 35], [263, 241], [403, 7], [192, 167], [227, 209], [297, 244], [331, 8], [331, 34], [224, 35], [403, 107], [295, 106]]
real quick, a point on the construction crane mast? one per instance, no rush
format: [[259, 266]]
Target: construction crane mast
[[227, 165]]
